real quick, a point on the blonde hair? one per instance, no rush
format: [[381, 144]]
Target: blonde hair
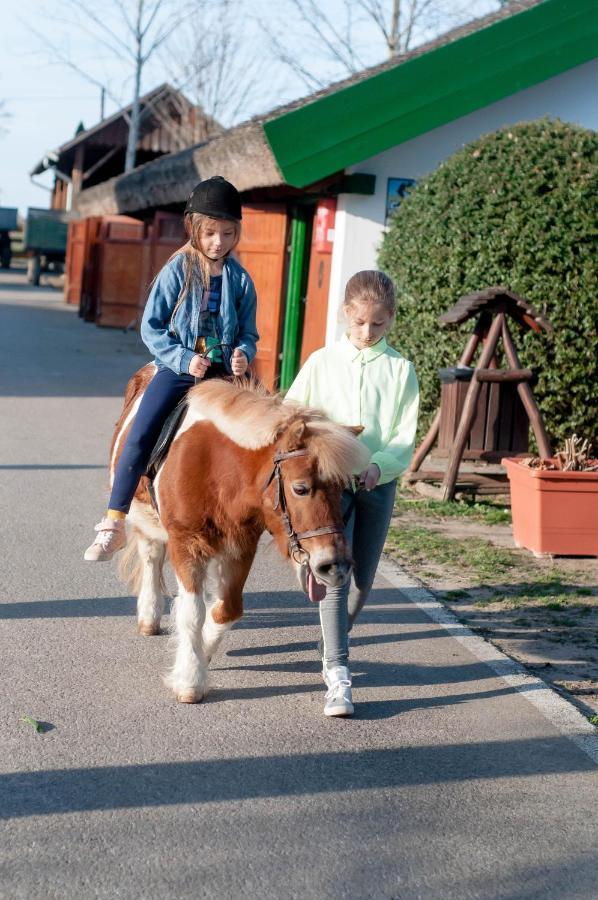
[[370, 286], [196, 267]]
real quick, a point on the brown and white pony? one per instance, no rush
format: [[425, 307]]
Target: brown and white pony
[[242, 462]]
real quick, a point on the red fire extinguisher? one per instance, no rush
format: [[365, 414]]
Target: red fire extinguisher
[[324, 225]]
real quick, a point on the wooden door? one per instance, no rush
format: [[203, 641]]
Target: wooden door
[[318, 279], [262, 251]]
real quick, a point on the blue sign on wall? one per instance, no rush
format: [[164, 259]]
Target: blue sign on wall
[[396, 189]]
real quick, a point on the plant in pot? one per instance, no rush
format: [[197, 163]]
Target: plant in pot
[[555, 501]]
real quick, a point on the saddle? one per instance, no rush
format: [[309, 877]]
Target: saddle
[[166, 436]]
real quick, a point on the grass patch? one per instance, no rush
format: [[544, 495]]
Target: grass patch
[[480, 510], [455, 595], [476, 557], [593, 720]]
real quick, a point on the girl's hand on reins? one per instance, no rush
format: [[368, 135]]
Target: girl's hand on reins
[[370, 477], [239, 362], [199, 365]]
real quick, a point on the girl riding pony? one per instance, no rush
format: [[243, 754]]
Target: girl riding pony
[[199, 322]]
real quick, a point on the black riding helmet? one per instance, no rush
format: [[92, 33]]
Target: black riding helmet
[[215, 197]]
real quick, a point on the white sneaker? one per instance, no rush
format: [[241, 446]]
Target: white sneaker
[[111, 537], [339, 700]]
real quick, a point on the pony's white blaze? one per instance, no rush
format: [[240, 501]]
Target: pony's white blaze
[[122, 431]]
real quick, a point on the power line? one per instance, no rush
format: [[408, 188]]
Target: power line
[[56, 97]]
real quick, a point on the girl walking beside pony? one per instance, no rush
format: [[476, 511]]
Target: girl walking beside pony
[[199, 322], [361, 381]]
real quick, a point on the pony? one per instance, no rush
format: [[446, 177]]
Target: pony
[[242, 462]]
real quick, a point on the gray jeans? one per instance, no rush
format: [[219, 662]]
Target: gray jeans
[[366, 532]]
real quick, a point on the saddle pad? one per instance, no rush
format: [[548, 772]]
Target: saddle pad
[[169, 429]]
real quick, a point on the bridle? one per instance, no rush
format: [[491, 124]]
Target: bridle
[[298, 553]]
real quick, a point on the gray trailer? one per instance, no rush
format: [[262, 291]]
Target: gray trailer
[[8, 223], [44, 241]]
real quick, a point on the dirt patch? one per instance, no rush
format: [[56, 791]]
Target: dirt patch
[[541, 612]]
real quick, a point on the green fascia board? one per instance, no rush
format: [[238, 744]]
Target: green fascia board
[[401, 103]]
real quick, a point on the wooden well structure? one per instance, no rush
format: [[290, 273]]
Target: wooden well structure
[[485, 411]]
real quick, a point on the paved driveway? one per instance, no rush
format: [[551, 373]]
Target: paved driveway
[[448, 783]]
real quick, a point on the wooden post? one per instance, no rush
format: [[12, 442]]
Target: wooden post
[[503, 376], [77, 174], [469, 409], [527, 397], [428, 442]]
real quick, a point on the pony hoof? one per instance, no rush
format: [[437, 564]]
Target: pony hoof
[[190, 697], [148, 629]]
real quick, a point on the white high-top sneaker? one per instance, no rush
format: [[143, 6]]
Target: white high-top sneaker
[[111, 537], [339, 700]]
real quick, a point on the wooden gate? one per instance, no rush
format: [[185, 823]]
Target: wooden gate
[[262, 251], [81, 234], [121, 271]]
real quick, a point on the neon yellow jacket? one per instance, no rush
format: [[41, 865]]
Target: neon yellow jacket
[[375, 387]]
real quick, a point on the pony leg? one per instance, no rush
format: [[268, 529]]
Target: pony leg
[[188, 677], [150, 601], [228, 607]]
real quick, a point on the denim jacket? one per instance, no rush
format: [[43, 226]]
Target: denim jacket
[[172, 339]]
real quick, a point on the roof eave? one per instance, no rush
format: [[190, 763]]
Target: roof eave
[[437, 87]]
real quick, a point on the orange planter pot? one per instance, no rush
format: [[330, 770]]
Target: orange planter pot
[[554, 512]]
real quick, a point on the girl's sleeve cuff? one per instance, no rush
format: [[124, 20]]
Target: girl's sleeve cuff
[[186, 357]]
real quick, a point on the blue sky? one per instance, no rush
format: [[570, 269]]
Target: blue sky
[[47, 100]]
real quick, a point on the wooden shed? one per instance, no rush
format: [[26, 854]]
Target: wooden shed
[[169, 123]]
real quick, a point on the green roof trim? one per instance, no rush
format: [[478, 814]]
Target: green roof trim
[[353, 123]]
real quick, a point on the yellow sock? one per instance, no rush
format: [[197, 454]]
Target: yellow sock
[[115, 514]]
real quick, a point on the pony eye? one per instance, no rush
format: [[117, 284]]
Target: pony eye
[[301, 490]]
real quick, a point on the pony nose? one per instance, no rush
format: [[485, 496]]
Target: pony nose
[[333, 573]]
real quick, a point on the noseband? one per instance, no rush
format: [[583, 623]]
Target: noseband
[[299, 553]]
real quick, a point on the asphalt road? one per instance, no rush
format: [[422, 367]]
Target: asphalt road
[[447, 783]]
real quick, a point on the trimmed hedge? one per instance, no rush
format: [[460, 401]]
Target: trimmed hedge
[[518, 208]]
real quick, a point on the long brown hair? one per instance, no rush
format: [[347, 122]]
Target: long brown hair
[[196, 266], [371, 286]]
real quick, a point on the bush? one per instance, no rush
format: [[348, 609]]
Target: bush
[[517, 208]]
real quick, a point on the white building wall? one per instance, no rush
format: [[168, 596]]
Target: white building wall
[[571, 96]]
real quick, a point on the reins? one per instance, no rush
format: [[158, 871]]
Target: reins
[[299, 553]]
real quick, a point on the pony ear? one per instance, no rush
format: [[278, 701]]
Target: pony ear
[[354, 429], [294, 437]]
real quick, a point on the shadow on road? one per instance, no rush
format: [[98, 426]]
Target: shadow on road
[[209, 781]]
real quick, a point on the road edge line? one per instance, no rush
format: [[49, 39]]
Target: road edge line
[[552, 705]]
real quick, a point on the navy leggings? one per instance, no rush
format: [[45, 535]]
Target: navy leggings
[[161, 396]]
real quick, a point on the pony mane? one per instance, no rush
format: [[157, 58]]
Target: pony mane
[[253, 418]]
